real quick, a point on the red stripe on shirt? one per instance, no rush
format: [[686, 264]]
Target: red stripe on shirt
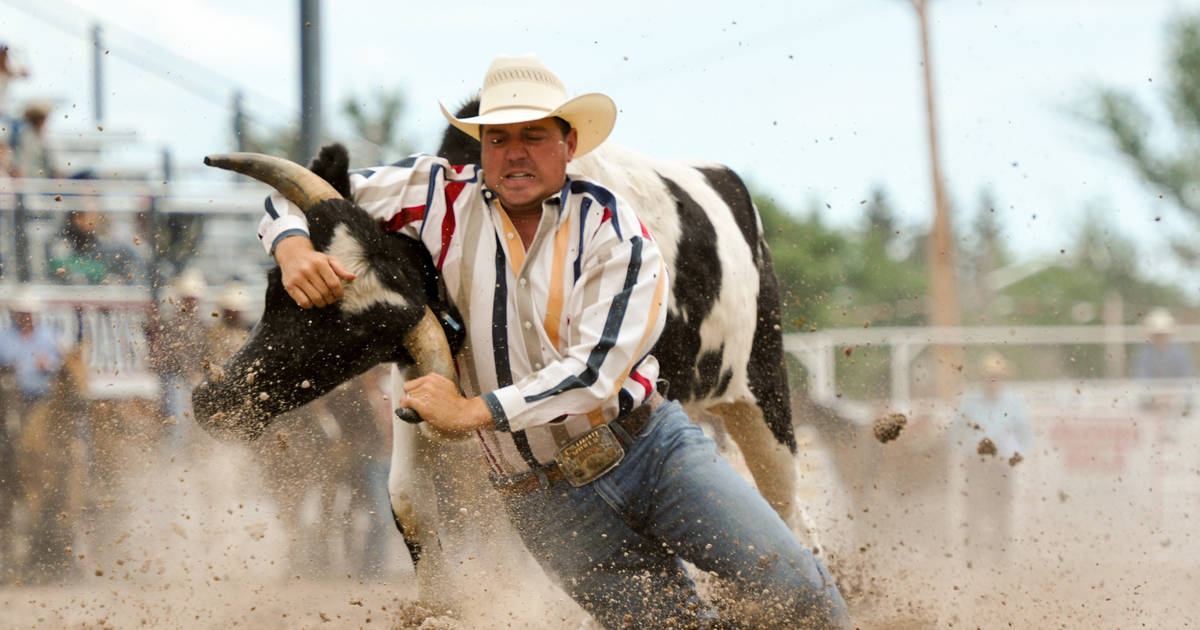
[[453, 189], [645, 383], [405, 216]]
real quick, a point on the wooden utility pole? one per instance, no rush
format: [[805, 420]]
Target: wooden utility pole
[[943, 287]]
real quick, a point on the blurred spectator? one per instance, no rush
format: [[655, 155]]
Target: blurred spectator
[[31, 157], [7, 201], [364, 417], [10, 69], [991, 434], [230, 332], [30, 350], [86, 253], [6, 163], [1160, 357], [178, 347]]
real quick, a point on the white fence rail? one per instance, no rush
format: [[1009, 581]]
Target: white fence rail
[[817, 352]]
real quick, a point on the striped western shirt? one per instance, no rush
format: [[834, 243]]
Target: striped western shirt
[[558, 337]]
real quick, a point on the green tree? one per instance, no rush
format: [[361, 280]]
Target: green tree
[[377, 119], [846, 278], [1175, 171]]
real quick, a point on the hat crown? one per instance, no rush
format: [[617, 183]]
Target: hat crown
[[528, 74], [1160, 320], [521, 89], [521, 81]]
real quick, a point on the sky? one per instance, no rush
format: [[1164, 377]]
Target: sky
[[814, 103]]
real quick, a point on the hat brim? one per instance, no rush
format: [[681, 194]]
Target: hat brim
[[592, 115]]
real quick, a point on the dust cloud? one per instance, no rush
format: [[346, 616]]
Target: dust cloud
[[1102, 535]]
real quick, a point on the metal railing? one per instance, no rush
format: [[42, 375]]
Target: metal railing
[[32, 212], [817, 352]]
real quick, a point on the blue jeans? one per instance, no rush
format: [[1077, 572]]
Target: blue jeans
[[617, 545]]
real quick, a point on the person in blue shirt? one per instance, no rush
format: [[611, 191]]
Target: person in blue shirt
[[1161, 357], [29, 350], [992, 434]]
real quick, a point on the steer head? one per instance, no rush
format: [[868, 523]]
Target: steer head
[[295, 355]]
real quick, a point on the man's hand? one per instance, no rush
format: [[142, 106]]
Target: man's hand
[[310, 277], [436, 398]]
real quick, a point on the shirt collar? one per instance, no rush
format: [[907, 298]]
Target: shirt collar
[[555, 200]]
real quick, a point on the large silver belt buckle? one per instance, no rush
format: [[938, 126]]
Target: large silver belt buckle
[[589, 456]]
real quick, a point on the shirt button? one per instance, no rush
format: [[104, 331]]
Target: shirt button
[[528, 325], [537, 366], [511, 236], [524, 282]]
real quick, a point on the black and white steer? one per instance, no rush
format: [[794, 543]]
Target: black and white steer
[[721, 350]]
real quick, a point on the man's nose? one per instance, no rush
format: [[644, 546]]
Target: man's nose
[[518, 151]]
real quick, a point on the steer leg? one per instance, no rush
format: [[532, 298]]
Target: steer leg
[[771, 464], [414, 509]]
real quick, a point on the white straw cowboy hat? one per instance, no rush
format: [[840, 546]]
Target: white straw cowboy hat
[[1160, 322], [233, 297], [521, 89], [190, 283]]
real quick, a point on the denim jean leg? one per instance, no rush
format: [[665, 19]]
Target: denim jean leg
[[681, 494], [619, 577], [617, 545]]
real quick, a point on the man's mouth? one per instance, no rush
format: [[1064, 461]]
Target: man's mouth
[[519, 176]]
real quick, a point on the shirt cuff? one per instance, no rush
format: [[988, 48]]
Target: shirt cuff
[[284, 226], [506, 403], [499, 418], [285, 234]]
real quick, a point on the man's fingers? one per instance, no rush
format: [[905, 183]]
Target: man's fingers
[[300, 298], [326, 281], [312, 292], [340, 270]]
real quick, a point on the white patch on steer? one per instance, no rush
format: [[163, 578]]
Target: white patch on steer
[[635, 178], [367, 289]]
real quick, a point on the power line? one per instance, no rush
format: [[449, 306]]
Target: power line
[[197, 78]]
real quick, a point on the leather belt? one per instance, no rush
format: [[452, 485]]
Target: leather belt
[[632, 423]]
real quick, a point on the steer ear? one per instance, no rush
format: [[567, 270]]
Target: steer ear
[[298, 184], [333, 165]]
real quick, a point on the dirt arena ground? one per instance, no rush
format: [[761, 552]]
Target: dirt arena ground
[[195, 543]]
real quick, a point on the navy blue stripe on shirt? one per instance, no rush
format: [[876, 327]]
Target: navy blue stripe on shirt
[[606, 199], [522, 443], [500, 353], [500, 319], [608, 336], [584, 205], [499, 418], [434, 171]]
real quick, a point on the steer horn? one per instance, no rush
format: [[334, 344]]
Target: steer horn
[[300, 185], [426, 342]]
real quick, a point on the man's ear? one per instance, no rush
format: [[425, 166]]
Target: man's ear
[[572, 142]]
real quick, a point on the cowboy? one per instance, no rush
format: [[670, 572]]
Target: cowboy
[[1161, 356], [610, 485], [30, 350], [992, 434]]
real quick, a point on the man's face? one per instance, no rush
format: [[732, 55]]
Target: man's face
[[524, 163], [24, 322]]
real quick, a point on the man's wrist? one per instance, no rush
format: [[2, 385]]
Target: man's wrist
[[291, 242]]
